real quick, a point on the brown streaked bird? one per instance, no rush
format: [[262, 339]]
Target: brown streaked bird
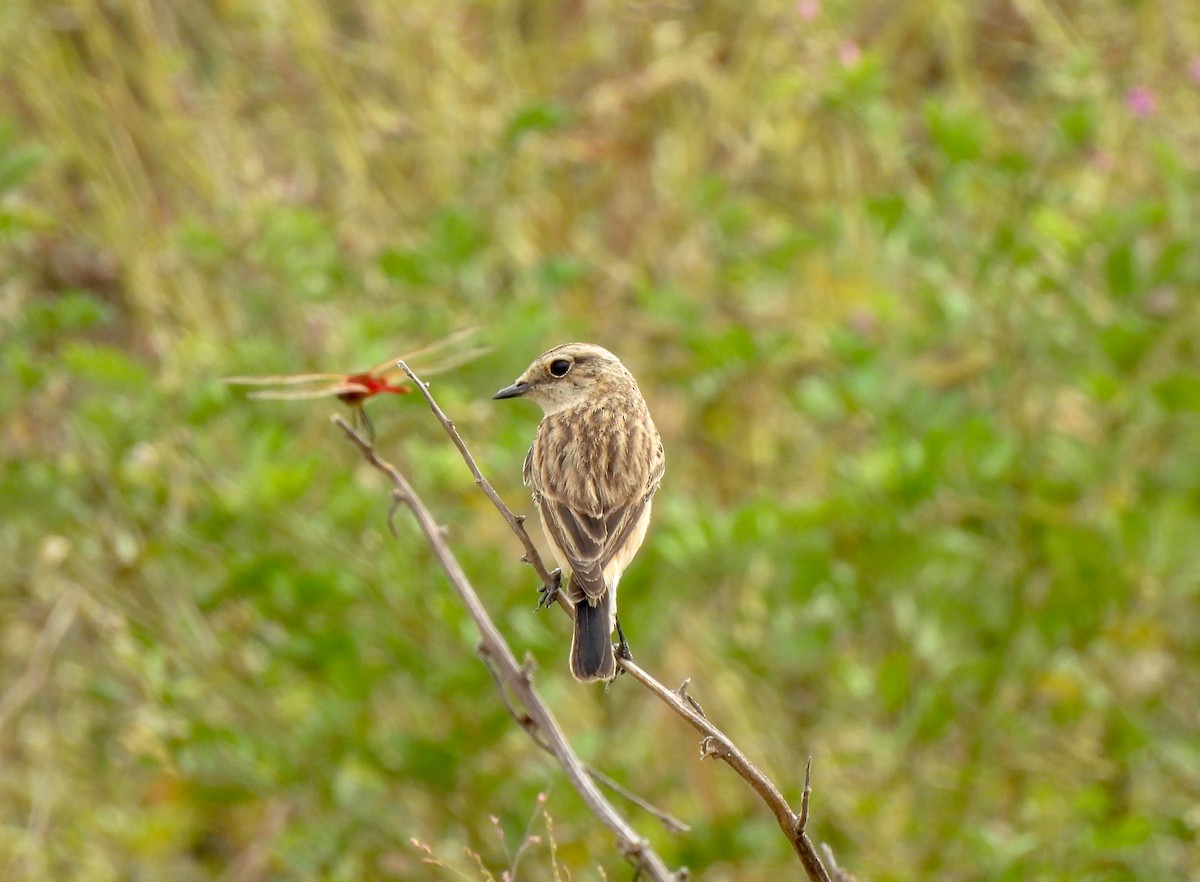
[[595, 462]]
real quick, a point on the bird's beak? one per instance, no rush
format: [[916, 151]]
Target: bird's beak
[[516, 390]]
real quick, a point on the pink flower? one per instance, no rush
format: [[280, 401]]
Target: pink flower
[[1140, 101], [808, 10], [849, 53]]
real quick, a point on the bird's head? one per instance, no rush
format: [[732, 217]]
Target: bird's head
[[569, 375]]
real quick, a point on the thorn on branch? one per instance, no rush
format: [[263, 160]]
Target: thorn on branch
[[802, 821], [692, 703], [710, 748]]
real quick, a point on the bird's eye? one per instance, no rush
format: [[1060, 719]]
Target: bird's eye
[[559, 367]]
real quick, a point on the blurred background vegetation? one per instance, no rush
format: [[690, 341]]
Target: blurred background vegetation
[[911, 287]]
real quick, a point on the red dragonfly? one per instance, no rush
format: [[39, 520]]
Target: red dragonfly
[[356, 389]]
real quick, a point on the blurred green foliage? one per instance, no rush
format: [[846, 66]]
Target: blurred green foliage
[[911, 288]]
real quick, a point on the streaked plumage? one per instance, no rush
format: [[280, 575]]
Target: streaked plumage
[[595, 463]]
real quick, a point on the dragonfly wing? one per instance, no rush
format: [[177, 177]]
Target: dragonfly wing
[[425, 366], [455, 360], [301, 394], [445, 343], [282, 379]]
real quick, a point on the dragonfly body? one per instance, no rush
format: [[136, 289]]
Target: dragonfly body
[[371, 386]]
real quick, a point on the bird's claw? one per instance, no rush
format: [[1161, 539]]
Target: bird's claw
[[548, 594], [622, 646]]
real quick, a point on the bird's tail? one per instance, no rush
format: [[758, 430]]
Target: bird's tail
[[591, 646]]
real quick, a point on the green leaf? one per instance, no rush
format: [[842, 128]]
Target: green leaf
[[543, 117], [409, 267], [457, 237], [1078, 125], [74, 311], [17, 166], [1125, 344], [959, 134], [1120, 270], [1179, 392], [105, 365]]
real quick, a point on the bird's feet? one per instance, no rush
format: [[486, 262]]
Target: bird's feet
[[548, 594], [620, 650], [621, 647]]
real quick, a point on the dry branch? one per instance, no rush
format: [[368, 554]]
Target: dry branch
[[516, 677], [526, 722], [715, 743]]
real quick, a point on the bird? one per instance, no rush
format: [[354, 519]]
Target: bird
[[595, 463]]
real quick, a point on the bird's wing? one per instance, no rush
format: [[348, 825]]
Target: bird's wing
[[590, 541], [583, 540]]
